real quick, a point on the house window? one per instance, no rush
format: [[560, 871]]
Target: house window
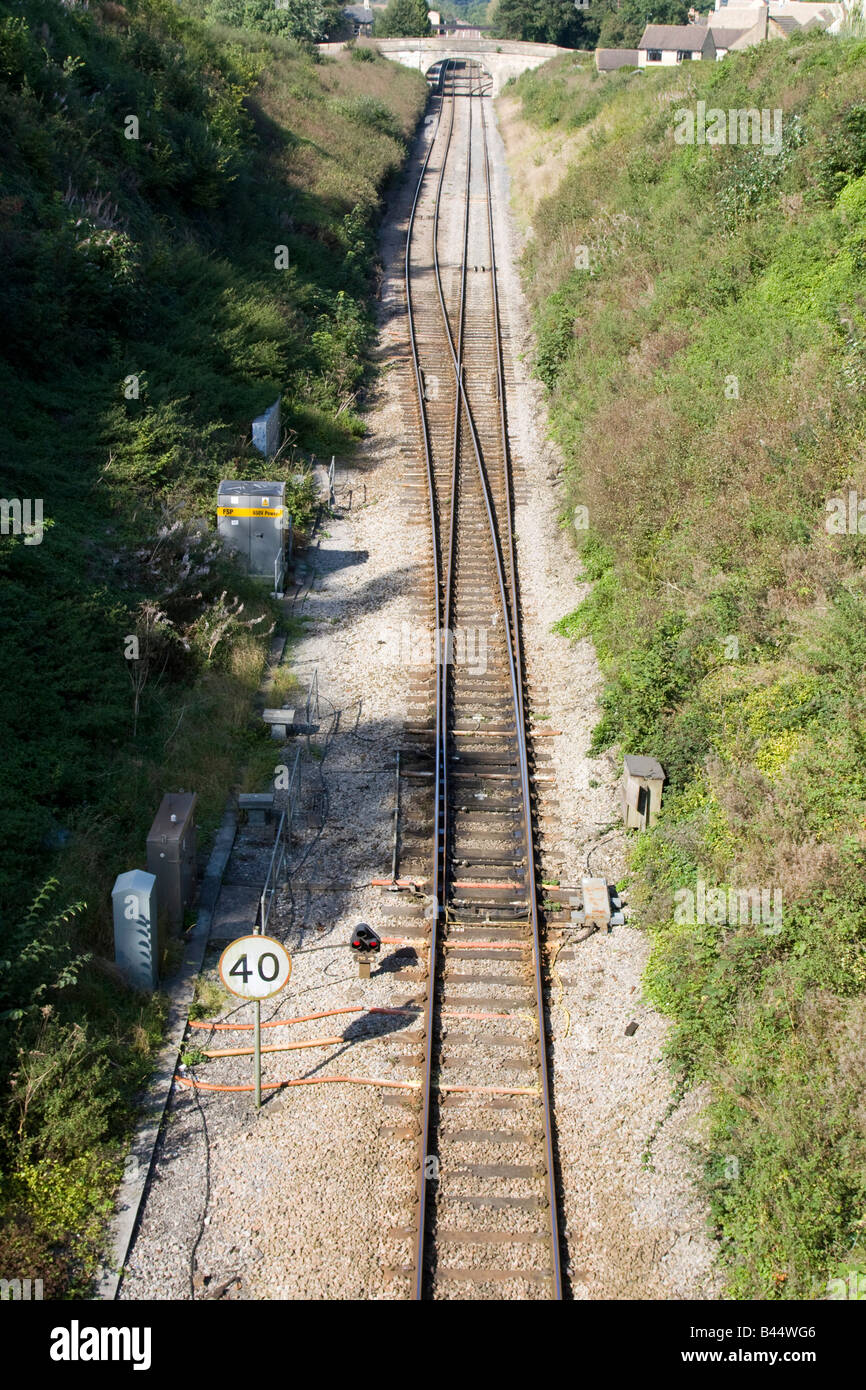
[[682, 56], [654, 55]]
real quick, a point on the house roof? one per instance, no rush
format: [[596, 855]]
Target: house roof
[[744, 15], [609, 59], [686, 37], [723, 38], [362, 14], [803, 10], [748, 38]]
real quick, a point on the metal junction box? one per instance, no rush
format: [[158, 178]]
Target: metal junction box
[[171, 854], [252, 519]]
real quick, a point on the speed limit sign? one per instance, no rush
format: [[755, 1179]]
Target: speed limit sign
[[255, 967]]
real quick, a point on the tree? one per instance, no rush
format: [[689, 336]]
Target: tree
[[546, 21], [606, 23], [304, 20], [336, 24], [402, 19], [624, 23]]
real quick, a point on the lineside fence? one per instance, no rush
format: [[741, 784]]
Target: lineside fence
[[277, 869]]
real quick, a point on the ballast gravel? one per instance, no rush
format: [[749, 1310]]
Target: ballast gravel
[[301, 1200]]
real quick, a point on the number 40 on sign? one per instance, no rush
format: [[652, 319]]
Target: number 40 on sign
[[256, 967]]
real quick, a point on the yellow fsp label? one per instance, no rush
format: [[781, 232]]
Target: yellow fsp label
[[249, 511]]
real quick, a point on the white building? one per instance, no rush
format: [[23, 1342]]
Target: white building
[[666, 45], [789, 14]]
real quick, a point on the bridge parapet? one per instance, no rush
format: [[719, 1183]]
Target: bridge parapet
[[502, 58]]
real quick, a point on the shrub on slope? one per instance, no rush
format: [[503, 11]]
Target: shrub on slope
[[706, 375]]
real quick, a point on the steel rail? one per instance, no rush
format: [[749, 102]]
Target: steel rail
[[520, 730], [513, 646], [521, 721], [455, 461], [437, 776]]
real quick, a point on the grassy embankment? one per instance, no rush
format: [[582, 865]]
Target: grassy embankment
[[156, 258], [706, 376]]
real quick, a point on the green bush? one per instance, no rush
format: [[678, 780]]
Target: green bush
[[706, 385], [293, 19], [147, 322]]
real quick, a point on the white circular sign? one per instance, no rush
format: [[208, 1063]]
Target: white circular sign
[[255, 967]]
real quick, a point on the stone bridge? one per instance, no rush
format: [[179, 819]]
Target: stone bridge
[[501, 58]]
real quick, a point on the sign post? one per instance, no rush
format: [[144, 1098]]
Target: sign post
[[256, 967]]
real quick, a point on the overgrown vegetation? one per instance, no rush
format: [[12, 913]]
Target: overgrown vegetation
[[604, 23], [308, 21], [701, 320], [400, 18], [187, 225]]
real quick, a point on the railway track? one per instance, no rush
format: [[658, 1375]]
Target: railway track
[[487, 1220]]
